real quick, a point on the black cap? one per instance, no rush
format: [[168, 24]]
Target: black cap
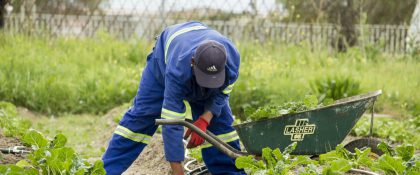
[[210, 60]]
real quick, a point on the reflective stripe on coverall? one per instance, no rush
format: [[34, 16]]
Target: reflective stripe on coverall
[[166, 81]]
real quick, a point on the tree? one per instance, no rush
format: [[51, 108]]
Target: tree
[[388, 11], [344, 13], [2, 12], [414, 31], [377, 11]]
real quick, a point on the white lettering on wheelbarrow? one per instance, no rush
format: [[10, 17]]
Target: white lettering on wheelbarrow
[[298, 131]]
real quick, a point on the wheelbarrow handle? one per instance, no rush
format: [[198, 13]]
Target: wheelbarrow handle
[[209, 137]]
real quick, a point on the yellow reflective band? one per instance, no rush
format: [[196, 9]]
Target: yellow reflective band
[[228, 137], [168, 114], [188, 113], [137, 137], [228, 89], [177, 33]]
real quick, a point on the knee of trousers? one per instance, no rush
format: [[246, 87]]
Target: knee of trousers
[[219, 163], [120, 154], [138, 124]]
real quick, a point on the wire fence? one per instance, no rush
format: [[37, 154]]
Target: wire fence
[[250, 20]]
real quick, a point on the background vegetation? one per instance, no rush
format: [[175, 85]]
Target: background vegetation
[[94, 75]]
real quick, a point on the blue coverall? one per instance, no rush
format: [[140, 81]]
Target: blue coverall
[[166, 82]]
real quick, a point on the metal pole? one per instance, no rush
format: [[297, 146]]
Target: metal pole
[[209, 138], [359, 171], [371, 120]]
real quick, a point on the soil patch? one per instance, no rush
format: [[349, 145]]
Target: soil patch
[[151, 160], [7, 142]]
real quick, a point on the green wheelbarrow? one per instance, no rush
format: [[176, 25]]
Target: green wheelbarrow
[[316, 131]]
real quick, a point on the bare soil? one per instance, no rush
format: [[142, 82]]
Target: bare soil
[[6, 142], [151, 160]]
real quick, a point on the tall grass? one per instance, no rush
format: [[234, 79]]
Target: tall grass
[[69, 75], [95, 74], [275, 73]]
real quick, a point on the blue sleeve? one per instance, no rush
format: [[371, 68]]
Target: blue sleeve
[[221, 98], [176, 77]]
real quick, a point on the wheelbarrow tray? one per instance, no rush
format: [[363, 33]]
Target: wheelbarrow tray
[[316, 131]]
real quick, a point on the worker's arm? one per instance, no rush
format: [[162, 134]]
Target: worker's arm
[[216, 103], [176, 77]]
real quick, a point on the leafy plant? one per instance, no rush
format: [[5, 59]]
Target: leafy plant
[[273, 161], [11, 124], [310, 102], [400, 160], [48, 156], [397, 131], [335, 87], [51, 157]]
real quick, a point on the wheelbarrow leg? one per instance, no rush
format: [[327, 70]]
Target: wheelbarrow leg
[[371, 122]]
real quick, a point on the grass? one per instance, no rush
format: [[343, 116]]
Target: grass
[[93, 75], [275, 74], [85, 133], [69, 75]]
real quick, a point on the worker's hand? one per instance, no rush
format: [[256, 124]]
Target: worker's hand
[[196, 140]]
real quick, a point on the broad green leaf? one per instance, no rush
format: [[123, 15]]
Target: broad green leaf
[[98, 168], [23, 164], [61, 158], [16, 170], [248, 163], [362, 158], [280, 167], [406, 152], [289, 149], [413, 166], [80, 172], [268, 157], [59, 141], [329, 156], [340, 165], [328, 171], [310, 169], [35, 138], [343, 152], [278, 155], [302, 160], [386, 149], [390, 165]]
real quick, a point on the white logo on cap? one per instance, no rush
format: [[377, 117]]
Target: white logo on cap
[[212, 69]]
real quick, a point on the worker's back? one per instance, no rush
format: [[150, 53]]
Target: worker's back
[[176, 46]]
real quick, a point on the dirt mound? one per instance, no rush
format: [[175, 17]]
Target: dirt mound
[[7, 142], [151, 160]]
